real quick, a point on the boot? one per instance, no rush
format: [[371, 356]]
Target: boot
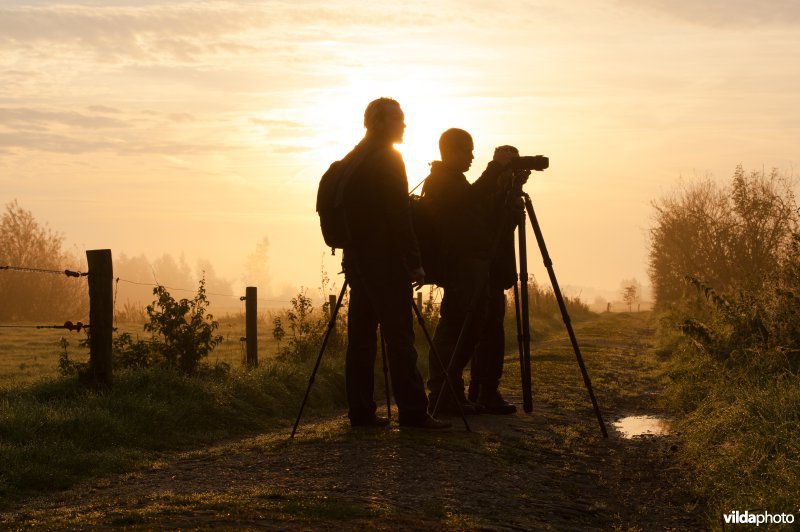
[[493, 403], [450, 407]]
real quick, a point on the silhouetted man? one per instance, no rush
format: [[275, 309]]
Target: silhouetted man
[[460, 210], [489, 355], [380, 263]]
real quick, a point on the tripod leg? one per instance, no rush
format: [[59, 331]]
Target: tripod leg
[[525, 361], [548, 263], [331, 325], [421, 321], [519, 321], [386, 378]]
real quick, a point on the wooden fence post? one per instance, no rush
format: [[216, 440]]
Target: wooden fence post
[[251, 325], [419, 301], [101, 314]]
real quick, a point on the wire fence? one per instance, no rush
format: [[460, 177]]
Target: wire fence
[[231, 327]]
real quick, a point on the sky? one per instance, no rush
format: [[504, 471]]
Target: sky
[[200, 129]]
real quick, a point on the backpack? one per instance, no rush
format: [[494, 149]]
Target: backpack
[[330, 198], [428, 239]]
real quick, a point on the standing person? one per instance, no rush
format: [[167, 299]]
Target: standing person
[[489, 356], [381, 261], [459, 210]]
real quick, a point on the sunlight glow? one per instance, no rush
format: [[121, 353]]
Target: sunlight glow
[[336, 117]]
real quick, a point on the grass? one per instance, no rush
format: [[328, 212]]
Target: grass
[[740, 430], [56, 432], [27, 355], [149, 413]]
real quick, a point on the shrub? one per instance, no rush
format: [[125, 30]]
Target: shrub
[[306, 326], [185, 327]]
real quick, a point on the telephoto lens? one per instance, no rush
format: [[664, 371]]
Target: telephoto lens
[[530, 162]]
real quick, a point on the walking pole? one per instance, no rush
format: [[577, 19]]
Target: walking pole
[[421, 321], [548, 263], [525, 356], [331, 325], [386, 377]]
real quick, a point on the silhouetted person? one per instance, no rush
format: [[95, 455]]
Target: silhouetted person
[[380, 265], [489, 354], [460, 210]]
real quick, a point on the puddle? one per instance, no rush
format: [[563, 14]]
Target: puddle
[[632, 426]]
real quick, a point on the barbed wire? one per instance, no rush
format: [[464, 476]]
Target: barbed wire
[[195, 290], [68, 273], [67, 325]]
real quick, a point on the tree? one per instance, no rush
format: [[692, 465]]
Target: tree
[[34, 296], [729, 236], [257, 266], [631, 292]]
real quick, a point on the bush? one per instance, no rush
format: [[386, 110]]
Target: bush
[[307, 327], [185, 327]]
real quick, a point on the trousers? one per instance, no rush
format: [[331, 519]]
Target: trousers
[[378, 298], [462, 295], [487, 364]]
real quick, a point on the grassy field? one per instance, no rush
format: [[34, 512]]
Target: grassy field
[[28, 354], [527, 470]]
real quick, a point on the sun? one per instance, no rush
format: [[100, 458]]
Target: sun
[[429, 105]]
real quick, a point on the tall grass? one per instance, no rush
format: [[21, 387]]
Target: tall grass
[[735, 374]]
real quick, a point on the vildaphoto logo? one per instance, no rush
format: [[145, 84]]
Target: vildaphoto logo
[[752, 518]]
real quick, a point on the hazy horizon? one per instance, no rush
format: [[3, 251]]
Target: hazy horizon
[[200, 129]]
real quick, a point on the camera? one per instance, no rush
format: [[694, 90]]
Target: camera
[[530, 162]]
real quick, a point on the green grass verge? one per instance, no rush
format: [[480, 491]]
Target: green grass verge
[[56, 432], [740, 427]]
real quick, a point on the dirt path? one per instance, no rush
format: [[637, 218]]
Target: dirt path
[[547, 470]]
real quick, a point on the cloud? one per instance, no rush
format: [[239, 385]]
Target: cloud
[[67, 144], [27, 119], [266, 122], [187, 32], [181, 117], [50, 142], [289, 149], [103, 109], [725, 13], [180, 31]]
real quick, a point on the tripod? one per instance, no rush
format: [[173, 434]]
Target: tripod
[[332, 324], [522, 312]]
